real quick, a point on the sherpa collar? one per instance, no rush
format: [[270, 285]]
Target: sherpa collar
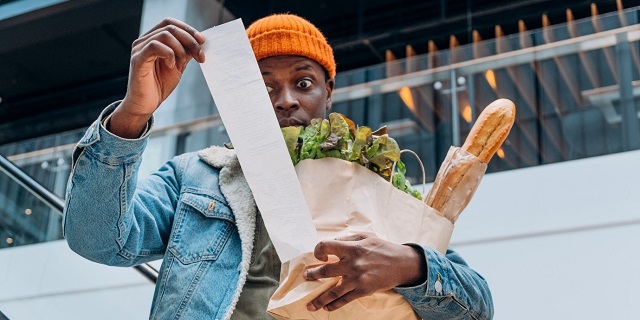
[[235, 189]]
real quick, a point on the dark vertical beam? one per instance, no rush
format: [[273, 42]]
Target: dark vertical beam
[[361, 18], [469, 22], [181, 142]]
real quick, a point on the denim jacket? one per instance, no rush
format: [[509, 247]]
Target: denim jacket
[[197, 213]]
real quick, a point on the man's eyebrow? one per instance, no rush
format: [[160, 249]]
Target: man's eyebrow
[[301, 68], [266, 73]]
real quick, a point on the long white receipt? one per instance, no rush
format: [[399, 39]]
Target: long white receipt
[[236, 84]]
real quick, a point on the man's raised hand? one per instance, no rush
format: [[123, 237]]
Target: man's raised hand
[[158, 59]]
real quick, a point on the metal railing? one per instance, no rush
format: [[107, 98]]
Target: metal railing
[[56, 203]]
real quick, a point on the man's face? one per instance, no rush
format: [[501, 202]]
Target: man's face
[[297, 87]]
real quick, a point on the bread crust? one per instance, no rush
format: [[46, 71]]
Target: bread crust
[[491, 129]]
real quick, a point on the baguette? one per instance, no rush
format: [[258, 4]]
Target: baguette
[[447, 181], [491, 129], [461, 167]]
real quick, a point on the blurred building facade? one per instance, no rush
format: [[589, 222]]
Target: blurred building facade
[[558, 205]]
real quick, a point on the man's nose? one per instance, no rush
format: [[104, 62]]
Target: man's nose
[[286, 100]]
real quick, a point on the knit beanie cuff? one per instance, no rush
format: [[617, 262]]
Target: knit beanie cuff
[[287, 34]]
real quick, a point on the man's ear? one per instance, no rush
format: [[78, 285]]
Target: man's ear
[[330, 83]]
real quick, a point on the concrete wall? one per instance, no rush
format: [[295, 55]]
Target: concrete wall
[[555, 242]]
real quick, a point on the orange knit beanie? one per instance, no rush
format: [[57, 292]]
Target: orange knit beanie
[[288, 34]]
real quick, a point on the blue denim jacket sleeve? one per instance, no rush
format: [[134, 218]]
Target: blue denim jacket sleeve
[[105, 219], [452, 290]]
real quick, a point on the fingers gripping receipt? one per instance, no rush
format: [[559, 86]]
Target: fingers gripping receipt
[[237, 87]]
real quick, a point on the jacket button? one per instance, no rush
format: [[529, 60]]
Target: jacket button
[[212, 205], [438, 285]]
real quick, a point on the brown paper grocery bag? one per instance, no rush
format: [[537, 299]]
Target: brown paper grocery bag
[[291, 299], [346, 198]]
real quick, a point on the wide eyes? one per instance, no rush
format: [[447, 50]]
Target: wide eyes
[[304, 83]]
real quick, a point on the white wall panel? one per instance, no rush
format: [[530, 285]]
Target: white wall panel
[[573, 194], [581, 275], [49, 279]]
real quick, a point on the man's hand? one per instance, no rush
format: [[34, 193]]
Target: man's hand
[[367, 265], [158, 59]]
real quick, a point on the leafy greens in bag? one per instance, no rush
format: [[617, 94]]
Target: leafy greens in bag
[[339, 137]]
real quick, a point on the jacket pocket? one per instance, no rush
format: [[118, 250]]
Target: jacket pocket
[[202, 227]]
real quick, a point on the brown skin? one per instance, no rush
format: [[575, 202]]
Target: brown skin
[[299, 92], [367, 264], [298, 89]]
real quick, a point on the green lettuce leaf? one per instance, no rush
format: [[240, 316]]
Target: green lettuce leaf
[[291, 135], [339, 137], [400, 181]]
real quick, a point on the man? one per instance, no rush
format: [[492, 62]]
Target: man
[[198, 214]]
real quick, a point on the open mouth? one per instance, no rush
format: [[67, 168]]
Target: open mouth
[[287, 122]]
